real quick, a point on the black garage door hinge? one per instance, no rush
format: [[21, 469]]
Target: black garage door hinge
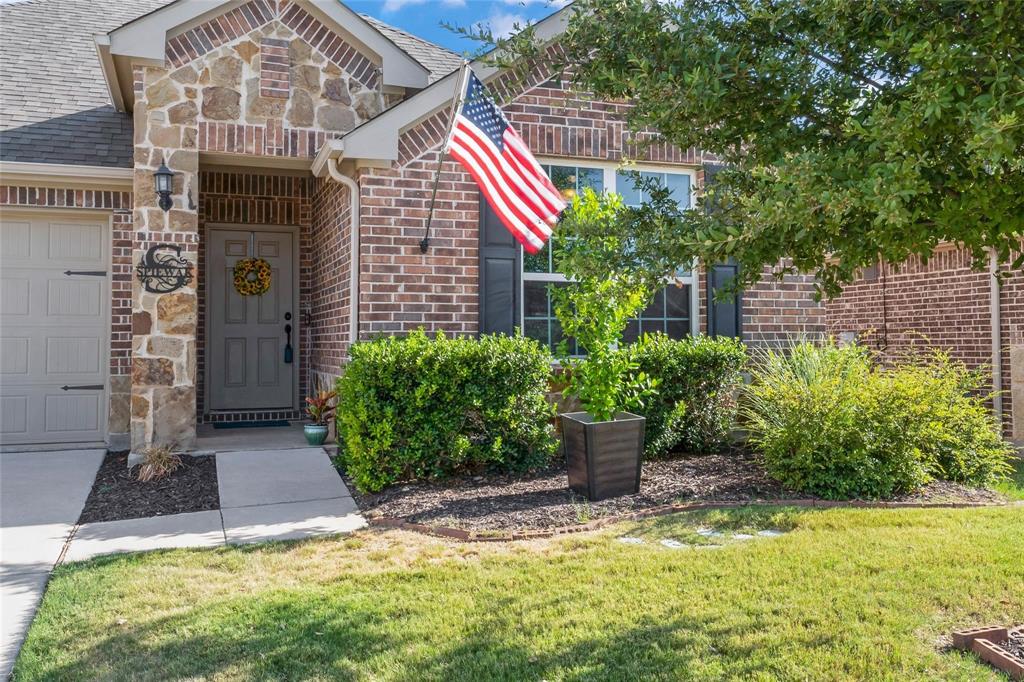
[[90, 273], [89, 387]]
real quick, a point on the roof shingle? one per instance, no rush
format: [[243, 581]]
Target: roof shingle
[[54, 103]]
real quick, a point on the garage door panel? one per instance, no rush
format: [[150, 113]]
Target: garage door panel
[[15, 293], [16, 239], [48, 414], [74, 297], [76, 242], [71, 412], [74, 356], [14, 415], [53, 330]]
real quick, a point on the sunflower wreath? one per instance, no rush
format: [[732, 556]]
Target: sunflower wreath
[[252, 276]]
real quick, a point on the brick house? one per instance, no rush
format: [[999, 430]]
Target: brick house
[[302, 133]]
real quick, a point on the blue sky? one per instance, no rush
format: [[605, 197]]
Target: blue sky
[[423, 17]]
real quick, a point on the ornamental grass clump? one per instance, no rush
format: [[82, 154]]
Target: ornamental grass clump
[[833, 422], [157, 462]]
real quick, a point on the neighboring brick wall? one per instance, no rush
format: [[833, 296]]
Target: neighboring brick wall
[[943, 303], [330, 279], [400, 288], [775, 313], [255, 198]]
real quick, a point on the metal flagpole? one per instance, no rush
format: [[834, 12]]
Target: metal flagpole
[[457, 98]]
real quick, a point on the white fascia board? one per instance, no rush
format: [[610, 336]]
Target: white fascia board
[[102, 43], [66, 175], [378, 137], [332, 149], [145, 38]]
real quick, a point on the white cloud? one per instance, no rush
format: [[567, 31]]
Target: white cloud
[[395, 5], [504, 24], [553, 4]]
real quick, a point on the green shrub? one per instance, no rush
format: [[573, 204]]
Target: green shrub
[[697, 378], [832, 422], [416, 407]]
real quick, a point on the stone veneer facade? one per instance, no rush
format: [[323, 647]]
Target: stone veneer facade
[[265, 79]]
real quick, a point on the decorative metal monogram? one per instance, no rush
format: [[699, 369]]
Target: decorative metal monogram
[[163, 270]]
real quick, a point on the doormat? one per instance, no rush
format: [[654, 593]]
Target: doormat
[[250, 425]]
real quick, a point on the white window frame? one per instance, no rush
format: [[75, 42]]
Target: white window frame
[[610, 171]]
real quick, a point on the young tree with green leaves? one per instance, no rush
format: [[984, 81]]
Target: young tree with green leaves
[[848, 131]]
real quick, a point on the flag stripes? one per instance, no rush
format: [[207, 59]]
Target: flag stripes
[[502, 166]]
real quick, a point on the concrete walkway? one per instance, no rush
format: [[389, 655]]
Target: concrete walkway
[[41, 496], [281, 494], [264, 495]]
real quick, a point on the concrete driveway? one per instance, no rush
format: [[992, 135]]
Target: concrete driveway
[[41, 497]]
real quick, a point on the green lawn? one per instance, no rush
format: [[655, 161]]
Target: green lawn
[[846, 594], [1014, 487]]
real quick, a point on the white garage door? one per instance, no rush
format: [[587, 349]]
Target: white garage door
[[54, 311]]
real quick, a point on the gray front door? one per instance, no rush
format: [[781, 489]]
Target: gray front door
[[246, 358]]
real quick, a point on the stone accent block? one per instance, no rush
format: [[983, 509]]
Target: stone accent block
[[221, 104], [176, 313], [161, 93], [300, 113], [184, 112], [337, 90], [152, 372], [174, 417], [226, 71], [335, 117]]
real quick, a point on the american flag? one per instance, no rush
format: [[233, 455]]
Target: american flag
[[515, 185]]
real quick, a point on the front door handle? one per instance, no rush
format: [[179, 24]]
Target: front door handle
[[288, 345]]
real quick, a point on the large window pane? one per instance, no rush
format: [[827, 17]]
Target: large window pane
[[590, 177], [656, 308], [537, 329], [677, 183], [677, 301]]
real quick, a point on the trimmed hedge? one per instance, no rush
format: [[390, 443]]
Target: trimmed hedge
[[831, 421], [695, 405], [415, 407]]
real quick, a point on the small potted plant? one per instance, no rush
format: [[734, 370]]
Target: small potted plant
[[603, 443], [320, 409]]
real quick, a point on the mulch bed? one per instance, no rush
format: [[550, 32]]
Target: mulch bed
[[1015, 644], [117, 494], [542, 501]]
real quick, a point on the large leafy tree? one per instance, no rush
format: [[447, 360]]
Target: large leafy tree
[[847, 131]]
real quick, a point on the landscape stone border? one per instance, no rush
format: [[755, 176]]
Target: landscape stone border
[[984, 641], [464, 535]]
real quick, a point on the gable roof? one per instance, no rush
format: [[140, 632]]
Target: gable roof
[[377, 139], [54, 103], [439, 61]]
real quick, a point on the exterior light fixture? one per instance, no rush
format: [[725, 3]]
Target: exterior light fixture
[[164, 180]]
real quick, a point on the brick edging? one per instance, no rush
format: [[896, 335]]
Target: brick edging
[[464, 535]]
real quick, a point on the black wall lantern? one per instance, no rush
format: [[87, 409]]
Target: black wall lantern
[[164, 180]]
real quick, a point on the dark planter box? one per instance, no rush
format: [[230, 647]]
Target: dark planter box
[[603, 457]]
